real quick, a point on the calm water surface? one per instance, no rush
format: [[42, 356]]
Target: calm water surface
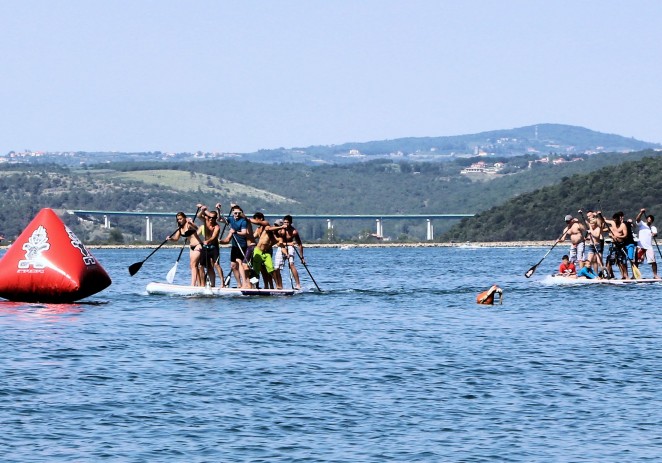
[[393, 362]]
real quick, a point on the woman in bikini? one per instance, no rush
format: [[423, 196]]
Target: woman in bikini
[[187, 229]]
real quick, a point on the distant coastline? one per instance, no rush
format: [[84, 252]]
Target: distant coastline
[[469, 245]]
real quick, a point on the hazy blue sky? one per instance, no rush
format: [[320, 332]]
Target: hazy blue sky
[[243, 75]]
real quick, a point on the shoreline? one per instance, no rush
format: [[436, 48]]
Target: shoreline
[[467, 245]]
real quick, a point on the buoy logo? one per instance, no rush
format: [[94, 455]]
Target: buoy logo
[[34, 248], [88, 258]]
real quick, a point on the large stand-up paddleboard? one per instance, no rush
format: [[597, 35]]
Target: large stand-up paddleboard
[[564, 280], [206, 291]]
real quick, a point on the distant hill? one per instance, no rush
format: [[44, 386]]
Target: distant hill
[[537, 140], [540, 139], [538, 215], [380, 186]]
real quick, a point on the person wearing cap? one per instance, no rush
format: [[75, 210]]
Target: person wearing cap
[[575, 231]]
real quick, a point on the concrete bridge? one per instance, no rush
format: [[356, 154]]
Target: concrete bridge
[[330, 218]]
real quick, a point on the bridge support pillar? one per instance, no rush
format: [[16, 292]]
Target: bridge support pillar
[[148, 229], [329, 228], [380, 230], [430, 230], [106, 221]]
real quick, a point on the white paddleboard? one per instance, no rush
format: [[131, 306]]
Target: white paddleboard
[[564, 280], [206, 291]]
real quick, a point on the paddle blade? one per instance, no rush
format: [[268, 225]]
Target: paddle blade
[[170, 277], [133, 268], [530, 271], [636, 272]]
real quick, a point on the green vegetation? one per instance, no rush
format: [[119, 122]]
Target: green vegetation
[[375, 187], [538, 215]]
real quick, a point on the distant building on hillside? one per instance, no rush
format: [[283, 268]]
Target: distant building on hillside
[[482, 168]]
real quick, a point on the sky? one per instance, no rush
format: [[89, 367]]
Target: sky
[[238, 76]]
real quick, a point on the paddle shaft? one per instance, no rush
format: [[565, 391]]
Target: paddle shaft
[[530, 272], [655, 240], [306, 267], [588, 229]]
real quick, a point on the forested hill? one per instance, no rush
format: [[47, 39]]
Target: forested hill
[[376, 187], [539, 215]]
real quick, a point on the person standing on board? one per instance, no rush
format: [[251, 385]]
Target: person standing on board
[[646, 232], [262, 260], [280, 254], [291, 238], [209, 232], [617, 253], [186, 228], [237, 238], [575, 231], [594, 242]]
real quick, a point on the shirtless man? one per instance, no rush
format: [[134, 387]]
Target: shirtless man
[[291, 237], [618, 232], [262, 252], [575, 230]]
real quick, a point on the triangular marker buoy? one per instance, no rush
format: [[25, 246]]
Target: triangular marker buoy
[[48, 263]]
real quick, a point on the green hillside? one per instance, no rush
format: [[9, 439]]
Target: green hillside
[[538, 215], [376, 187]]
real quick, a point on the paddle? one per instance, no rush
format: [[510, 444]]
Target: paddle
[[170, 277], [306, 267], [253, 279], [135, 267], [654, 239], [531, 271], [635, 269]]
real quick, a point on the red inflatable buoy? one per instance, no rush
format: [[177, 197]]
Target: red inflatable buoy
[[48, 263]]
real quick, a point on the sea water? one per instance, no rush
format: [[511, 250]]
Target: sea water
[[393, 361]]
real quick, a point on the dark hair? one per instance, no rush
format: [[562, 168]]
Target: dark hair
[[288, 218], [651, 217], [258, 215], [565, 256]]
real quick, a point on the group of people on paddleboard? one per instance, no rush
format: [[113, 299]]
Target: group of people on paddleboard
[[257, 248], [630, 242]]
